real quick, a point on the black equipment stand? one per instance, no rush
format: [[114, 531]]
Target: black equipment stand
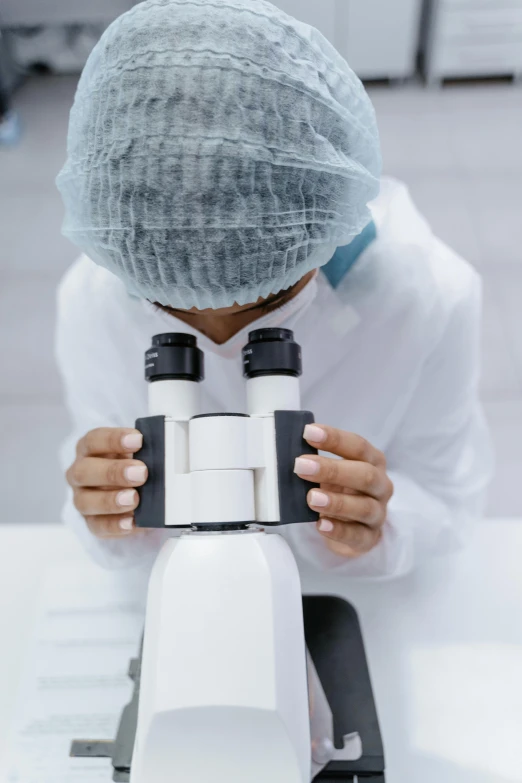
[[334, 640]]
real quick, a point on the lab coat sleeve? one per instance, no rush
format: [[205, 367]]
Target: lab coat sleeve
[[97, 395], [440, 460]]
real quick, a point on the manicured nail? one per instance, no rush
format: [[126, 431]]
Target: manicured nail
[[136, 473], [306, 467], [314, 433], [325, 526], [126, 498], [318, 499], [127, 523], [132, 442]]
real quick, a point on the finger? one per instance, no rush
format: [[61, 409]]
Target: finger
[[347, 445], [99, 472], [339, 488], [109, 440], [360, 476], [349, 539], [100, 502], [112, 526], [348, 508]]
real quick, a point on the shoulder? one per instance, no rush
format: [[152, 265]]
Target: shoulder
[[409, 286], [415, 254], [91, 301], [102, 334], [96, 318], [87, 287]]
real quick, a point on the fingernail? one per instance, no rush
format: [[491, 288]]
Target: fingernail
[[126, 498], [318, 499], [306, 467], [133, 441], [127, 523], [325, 526], [314, 433], [135, 473]]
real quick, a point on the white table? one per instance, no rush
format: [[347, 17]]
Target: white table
[[444, 648]]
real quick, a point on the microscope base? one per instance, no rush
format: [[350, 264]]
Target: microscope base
[[334, 640]]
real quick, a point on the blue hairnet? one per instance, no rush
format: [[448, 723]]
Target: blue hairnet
[[218, 150]]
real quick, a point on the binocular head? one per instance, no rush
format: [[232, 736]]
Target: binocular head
[[176, 356], [223, 470]]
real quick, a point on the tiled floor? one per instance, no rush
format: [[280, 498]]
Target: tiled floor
[[459, 150]]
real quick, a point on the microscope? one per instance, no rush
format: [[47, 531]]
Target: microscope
[[241, 679]]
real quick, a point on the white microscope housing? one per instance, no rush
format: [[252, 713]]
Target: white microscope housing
[[223, 695]]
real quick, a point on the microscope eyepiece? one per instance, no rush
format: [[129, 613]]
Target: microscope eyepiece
[[271, 352], [174, 356], [174, 338], [269, 335]]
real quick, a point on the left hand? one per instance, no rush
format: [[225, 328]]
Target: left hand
[[354, 491]]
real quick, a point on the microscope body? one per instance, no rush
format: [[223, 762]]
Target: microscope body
[[224, 692]]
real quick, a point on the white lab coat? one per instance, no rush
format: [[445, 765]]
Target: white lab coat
[[391, 354]]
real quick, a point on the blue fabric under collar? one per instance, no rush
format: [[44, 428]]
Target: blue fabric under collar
[[345, 257]]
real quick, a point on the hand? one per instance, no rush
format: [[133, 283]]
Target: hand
[[354, 491], [104, 476]]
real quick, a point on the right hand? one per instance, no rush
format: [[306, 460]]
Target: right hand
[[103, 478]]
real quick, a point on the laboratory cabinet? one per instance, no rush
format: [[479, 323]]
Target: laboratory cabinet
[[22, 13], [472, 38], [378, 38]]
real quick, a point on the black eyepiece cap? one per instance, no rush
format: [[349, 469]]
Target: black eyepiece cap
[[175, 338], [174, 356], [269, 335], [271, 352]]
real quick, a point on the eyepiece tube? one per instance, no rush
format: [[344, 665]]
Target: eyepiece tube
[[174, 366], [271, 352], [174, 356], [272, 366]]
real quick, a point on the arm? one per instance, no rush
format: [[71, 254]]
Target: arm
[[440, 461], [99, 394]]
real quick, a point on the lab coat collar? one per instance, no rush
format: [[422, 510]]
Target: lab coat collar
[[324, 330]]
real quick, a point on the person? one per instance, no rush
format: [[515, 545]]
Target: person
[[9, 120], [224, 174]]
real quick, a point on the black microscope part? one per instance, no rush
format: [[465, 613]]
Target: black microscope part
[[151, 509], [220, 415], [174, 356], [271, 352], [174, 338], [267, 335]]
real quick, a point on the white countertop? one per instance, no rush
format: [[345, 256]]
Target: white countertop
[[444, 649]]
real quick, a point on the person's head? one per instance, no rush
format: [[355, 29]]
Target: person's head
[[218, 151]]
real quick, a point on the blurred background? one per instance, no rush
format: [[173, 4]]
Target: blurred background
[[445, 78]]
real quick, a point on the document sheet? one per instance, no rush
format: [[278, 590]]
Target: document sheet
[[75, 684]]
